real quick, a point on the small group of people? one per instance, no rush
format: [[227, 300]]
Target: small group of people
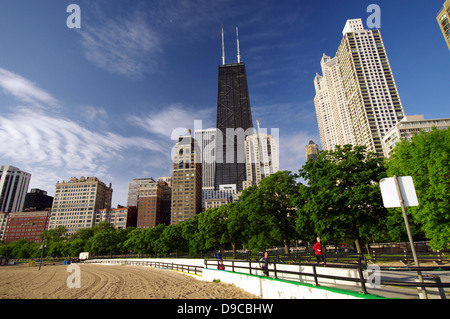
[[265, 261], [319, 252], [220, 264]]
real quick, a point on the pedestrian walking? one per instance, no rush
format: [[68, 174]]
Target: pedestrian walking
[[265, 264]]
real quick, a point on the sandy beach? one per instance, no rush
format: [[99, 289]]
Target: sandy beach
[[109, 282]]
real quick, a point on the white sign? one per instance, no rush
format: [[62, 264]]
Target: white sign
[[390, 194]]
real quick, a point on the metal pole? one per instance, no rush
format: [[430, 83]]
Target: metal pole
[[411, 241], [45, 238]]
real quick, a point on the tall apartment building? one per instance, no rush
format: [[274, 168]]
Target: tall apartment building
[[154, 204], [261, 156], [443, 19], [408, 127], [76, 202], [312, 151], [333, 115], [186, 180], [371, 93], [13, 188], [206, 141]]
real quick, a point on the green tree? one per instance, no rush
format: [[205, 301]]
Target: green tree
[[151, 237], [56, 248], [171, 240], [194, 238], [103, 242], [101, 227], [136, 241], [343, 199], [121, 238], [270, 208], [213, 226], [426, 159], [5, 249], [57, 234], [76, 246], [304, 225], [22, 249], [236, 223], [83, 233]]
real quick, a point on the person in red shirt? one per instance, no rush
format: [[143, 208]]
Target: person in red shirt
[[221, 266], [319, 251]]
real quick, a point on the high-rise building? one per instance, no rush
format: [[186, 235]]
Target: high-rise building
[[133, 190], [186, 180], [38, 200], [25, 225], [3, 220], [443, 19], [76, 202], [154, 204], [13, 188], [409, 126], [371, 93], [234, 122], [312, 151], [333, 116], [261, 155], [206, 141]]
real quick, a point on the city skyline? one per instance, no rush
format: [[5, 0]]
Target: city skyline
[[106, 100]]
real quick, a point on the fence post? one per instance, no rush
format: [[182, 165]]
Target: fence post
[[361, 278], [275, 270], [316, 282], [250, 266], [441, 290], [232, 265]]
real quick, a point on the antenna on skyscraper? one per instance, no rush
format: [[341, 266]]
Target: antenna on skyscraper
[[238, 51], [223, 48]]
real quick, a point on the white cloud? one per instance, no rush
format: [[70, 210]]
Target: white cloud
[[52, 147], [30, 136], [173, 120], [124, 45], [25, 90], [94, 113]]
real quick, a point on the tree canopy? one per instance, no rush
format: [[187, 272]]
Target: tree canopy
[[343, 199], [426, 159]]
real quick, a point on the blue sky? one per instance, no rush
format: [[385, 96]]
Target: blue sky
[[106, 100]]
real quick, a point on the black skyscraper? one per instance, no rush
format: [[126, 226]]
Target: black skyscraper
[[234, 120]]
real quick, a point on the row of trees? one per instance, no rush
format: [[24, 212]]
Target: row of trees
[[337, 197]]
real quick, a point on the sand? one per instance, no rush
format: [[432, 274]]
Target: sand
[[109, 282]]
